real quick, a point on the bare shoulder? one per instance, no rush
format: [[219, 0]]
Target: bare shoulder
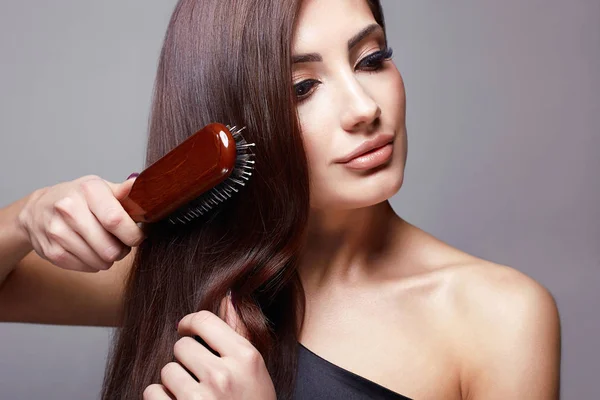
[[507, 330], [495, 292], [480, 292], [478, 289], [500, 326]]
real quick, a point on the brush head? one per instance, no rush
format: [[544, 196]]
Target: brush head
[[193, 178]]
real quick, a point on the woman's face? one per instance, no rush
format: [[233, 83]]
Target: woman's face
[[348, 97]]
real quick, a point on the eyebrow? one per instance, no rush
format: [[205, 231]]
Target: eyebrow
[[354, 40]]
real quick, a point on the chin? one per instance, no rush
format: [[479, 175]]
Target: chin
[[364, 191], [383, 188]]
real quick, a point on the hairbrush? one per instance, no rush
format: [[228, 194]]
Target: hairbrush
[[192, 179]]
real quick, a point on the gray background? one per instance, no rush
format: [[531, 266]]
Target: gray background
[[503, 116]]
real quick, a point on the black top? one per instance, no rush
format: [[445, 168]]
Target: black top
[[319, 379]]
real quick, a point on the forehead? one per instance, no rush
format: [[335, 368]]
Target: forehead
[[323, 22]]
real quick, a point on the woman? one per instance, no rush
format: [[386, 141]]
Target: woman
[[312, 251]]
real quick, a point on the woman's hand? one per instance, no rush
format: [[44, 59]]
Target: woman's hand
[[80, 225], [239, 372]]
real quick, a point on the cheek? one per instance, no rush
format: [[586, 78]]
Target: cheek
[[317, 153], [314, 126], [393, 97]]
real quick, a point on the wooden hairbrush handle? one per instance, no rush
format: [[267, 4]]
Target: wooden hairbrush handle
[[198, 164]]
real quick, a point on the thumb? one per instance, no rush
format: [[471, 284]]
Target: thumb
[[228, 314], [121, 190]]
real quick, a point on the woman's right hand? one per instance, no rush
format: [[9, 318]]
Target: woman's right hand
[[80, 225]]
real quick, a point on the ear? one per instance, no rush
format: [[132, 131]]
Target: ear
[[228, 314]]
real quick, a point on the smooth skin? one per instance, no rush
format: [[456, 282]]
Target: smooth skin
[[45, 230], [385, 299]]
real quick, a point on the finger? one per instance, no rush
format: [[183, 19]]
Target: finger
[[126, 250], [77, 214], [196, 358], [228, 314], [58, 256], [121, 190], [157, 392], [217, 334], [110, 213], [63, 234], [178, 381]]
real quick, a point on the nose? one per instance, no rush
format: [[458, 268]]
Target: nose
[[359, 110]]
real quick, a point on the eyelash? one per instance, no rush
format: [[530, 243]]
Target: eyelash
[[376, 58]]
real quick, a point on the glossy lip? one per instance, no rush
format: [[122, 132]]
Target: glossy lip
[[367, 146]]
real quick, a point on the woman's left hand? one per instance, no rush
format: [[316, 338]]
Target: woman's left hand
[[239, 372]]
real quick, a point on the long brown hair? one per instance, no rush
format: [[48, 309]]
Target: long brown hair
[[225, 61]]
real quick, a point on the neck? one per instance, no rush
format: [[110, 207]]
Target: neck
[[349, 246]]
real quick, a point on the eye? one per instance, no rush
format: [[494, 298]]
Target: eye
[[303, 89], [374, 62]]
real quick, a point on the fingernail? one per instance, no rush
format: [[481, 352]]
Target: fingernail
[[133, 175]]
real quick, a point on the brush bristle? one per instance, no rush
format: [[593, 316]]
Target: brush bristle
[[224, 190]]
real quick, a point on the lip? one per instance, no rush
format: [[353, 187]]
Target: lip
[[367, 146]]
